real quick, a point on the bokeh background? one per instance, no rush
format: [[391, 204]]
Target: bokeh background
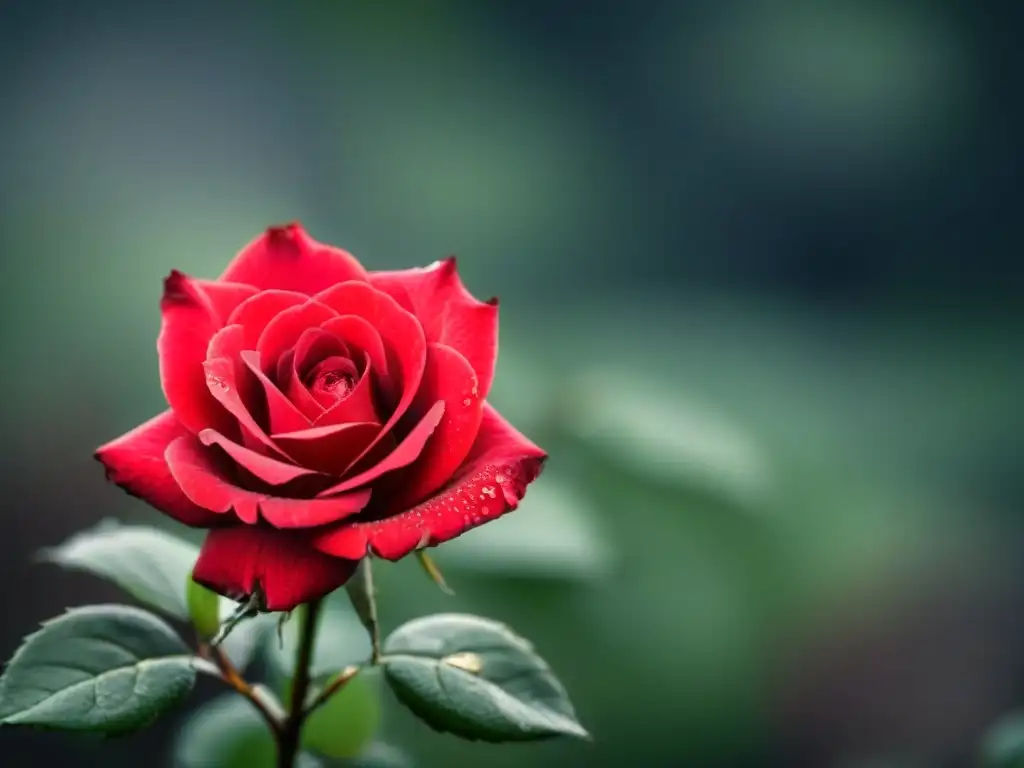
[[760, 281]]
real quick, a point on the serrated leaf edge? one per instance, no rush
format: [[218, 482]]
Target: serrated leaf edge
[[18, 718]]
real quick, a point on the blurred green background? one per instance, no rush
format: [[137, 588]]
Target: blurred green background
[[760, 282]]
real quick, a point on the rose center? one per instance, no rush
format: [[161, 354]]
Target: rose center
[[338, 383], [332, 380]]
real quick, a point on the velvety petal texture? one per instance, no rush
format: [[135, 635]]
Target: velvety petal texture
[[492, 482], [320, 414], [135, 461], [279, 566]]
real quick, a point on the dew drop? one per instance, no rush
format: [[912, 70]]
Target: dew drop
[[467, 402], [488, 490]]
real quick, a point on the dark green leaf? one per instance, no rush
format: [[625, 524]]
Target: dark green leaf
[[149, 564], [477, 679], [346, 723], [155, 568], [106, 668], [229, 733], [1004, 744]]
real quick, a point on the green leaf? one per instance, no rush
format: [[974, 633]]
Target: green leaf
[[346, 723], [1004, 745], [229, 733], [149, 564], [107, 668], [551, 536], [477, 679], [203, 607], [155, 568]]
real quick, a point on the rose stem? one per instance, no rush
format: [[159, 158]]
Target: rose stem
[[230, 675], [288, 736]]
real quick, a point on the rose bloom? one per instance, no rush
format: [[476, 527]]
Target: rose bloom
[[320, 413]]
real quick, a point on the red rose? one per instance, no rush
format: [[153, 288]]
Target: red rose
[[319, 413]]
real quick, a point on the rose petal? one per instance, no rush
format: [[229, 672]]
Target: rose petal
[[200, 480], [449, 313], [204, 483], [404, 454], [135, 461], [358, 332], [295, 389], [282, 333], [491, 482], [256, 313], [330, 449], [286, 570], [448, 377], [228, 343], [192, 313], [283, 415], [265, 468], [306, 513], [358, 405], [288, 258], [400, 331], [314, 345], [223, 382]]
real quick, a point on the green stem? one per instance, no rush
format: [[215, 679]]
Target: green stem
[[288, 738]]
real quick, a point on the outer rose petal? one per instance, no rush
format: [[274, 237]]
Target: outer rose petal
[[449, 313], [450, 378], [135, 461], [288, 258], [203, 482], [281, 564], [192, 314], [492, 482]]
